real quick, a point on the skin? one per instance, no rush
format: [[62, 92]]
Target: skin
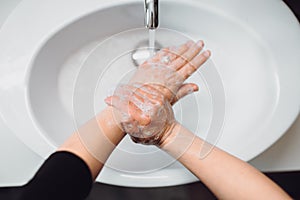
[[227, 176], [107, 127], [145, 112], [105, 141]]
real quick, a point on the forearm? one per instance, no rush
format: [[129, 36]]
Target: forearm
[[95, 140], [69, 173], [227, 176]]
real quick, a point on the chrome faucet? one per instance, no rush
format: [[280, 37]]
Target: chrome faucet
[[151, 14]]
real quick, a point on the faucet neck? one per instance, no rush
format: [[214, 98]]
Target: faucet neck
[[151, 14]]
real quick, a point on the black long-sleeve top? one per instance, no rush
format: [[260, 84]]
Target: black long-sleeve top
[[62, 176]]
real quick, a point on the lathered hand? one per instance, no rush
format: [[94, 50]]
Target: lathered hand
[[170, 67], [145, 103], [144, 113]]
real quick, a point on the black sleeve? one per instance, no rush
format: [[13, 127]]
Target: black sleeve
[[62, 176]]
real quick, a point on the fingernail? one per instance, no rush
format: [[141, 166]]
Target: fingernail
[[196, 88], [107, 100], [206, 53], [200, 43]]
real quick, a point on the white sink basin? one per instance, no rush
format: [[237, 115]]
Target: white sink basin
[[50, 77]]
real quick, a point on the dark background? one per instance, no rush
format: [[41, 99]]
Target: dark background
[[289, 181]]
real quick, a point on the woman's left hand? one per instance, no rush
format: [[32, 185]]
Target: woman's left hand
[[170, 67]]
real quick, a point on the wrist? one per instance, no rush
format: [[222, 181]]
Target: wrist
[[170, 134], [109, 122], [179, 141]]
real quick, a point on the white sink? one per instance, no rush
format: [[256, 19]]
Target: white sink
[[49, 76]]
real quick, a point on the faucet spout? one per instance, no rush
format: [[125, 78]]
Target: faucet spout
[[151, 14]]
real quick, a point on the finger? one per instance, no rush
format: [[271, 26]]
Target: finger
[[187, 70], [128, 101], [185, 89], [137, 114], [171, 52], [136, 105], [133, 111], [174, 52], [126, 92], [157, 57], [143, 93], [180, 49], [113, 101], [150, 93], [119, 104], [193, 50]]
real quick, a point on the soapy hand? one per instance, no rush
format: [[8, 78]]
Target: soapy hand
[[145, 114], [170, 67], [144, 104]]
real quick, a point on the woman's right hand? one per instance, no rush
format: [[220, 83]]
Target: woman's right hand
[[143, 112]]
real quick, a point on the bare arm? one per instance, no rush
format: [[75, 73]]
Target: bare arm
[[105, 134], [94, 141], [225, 175]]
